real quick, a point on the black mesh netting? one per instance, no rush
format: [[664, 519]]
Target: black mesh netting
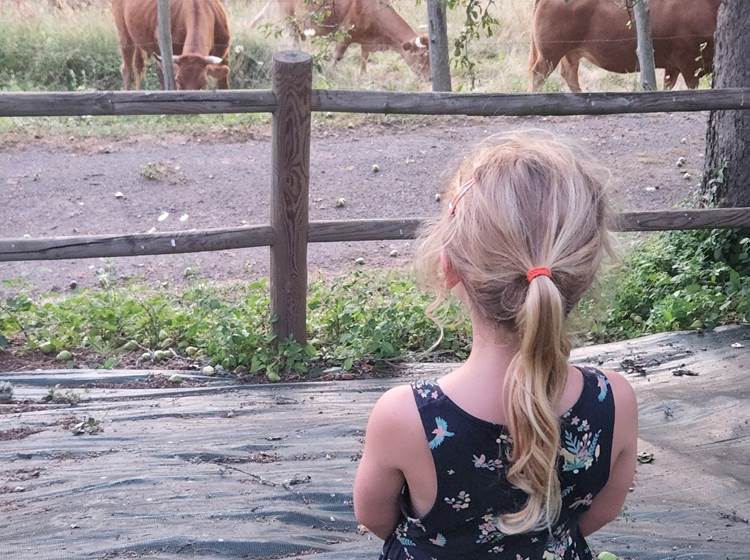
[[223, 471]]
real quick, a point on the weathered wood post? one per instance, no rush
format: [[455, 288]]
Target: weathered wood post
[[439, 51], [292, 86], [165, 42], [645, 45]]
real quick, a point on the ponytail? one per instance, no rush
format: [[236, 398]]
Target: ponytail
[[535, 381], [520, 201]]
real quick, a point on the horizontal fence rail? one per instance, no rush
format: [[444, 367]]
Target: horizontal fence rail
[[529, 104], [469, 104], [101, 103], [86, 247], [292, 101]]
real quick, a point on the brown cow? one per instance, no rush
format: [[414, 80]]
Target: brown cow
[[373, 24], [603, 32], [200, 34]]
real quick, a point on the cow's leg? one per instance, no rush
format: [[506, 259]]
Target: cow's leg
[[670, 77], [691, 80], [365, 59], [140, 68], [223, 83], [540, 70], [341, 49], [128, 52], [569, 71]]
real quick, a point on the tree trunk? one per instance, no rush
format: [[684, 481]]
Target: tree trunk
[[726, 179]]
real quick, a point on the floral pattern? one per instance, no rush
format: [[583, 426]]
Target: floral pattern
[[471, 457]]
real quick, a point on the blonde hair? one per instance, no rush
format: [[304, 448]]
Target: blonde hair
[[535, 202]]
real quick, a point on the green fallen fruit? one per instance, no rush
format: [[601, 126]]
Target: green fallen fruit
[[161, 355], [64, 356], [191, 351], [273, 377], [146, 356], [176, 379], [163, 334], [47, 348], [130, 345], [604, 555], [166, 343], [208, 370]]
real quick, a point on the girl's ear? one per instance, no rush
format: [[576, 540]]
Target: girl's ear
[[449, 273]]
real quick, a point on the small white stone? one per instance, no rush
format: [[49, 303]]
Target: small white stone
[[359, 260], [681, 162], [438, 197], [163, 216], [340, 202], [184, 218], [375, 168], [683, 141], [118, 194], [394, 253], [687, 176]]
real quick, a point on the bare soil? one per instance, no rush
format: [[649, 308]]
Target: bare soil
[[66, 186]]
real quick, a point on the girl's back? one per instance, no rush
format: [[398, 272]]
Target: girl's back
[[456, 483], [516, 454]]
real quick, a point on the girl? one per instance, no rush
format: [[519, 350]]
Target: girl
[[516, 454]]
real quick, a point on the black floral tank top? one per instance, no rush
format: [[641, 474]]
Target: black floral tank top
[[471, 456]]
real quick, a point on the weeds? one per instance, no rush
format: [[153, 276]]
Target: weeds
[[671, 281], [154, 171], [89, 425], [678, 280], [55, 395], [6, 392]]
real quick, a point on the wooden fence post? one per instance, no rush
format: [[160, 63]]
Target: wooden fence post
[[164, 12], [439, 51], [292, 85], [645, 45]]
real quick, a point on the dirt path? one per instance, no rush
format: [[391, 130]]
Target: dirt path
[[56, 189]]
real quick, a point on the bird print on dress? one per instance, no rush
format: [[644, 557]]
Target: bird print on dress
[[602, 382], [441, 432]]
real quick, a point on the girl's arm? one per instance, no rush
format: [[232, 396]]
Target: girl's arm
[[609, 501], [379, 480]]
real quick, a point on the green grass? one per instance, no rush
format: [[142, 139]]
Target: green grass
[[41, 49], [360, 319], [682, 280], [48, 51], [75, 50]]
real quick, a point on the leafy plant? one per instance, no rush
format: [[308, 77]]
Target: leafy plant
[[6, 392], [680, 280], [89, 425], [57, 396]]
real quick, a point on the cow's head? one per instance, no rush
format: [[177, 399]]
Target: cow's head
[[417, 55], [191, 71]]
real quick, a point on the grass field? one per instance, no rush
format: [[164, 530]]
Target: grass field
[[44, 48]]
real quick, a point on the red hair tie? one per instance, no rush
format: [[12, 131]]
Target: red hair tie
[[538, 271]]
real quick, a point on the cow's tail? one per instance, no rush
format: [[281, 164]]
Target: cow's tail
[[534, 53], [260, 14]]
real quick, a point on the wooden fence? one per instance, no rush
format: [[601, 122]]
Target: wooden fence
[[292, 101]]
